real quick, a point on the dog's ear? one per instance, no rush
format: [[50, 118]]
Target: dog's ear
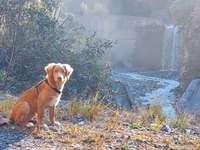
[[68, 70], [48, 68]]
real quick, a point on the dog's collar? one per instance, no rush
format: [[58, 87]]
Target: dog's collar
[[53, 88]]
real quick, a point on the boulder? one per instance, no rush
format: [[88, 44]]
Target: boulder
[[190, 100], [120, 95]]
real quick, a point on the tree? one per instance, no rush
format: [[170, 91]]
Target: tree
[[34, 33]]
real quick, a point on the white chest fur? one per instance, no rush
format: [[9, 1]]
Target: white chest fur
[[55, 100]]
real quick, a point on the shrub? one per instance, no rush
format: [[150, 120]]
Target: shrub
[[90, 109], [6, 106], [152, 117], [182, 121]]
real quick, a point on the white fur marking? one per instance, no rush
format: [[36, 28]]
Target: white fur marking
[[55, 100]]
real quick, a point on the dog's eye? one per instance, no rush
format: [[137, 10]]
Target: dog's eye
[[67, 73], [60, 78]]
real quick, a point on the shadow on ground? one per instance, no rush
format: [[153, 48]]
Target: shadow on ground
[[11, 134]]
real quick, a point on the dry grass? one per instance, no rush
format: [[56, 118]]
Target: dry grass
[[6, 106], [143, 137], [182, 121], [152, 117], [197, 146], [167, 141], [113, 122], [89, 109], [112, 129]]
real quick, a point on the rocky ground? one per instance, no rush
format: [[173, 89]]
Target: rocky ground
[[111, 130]]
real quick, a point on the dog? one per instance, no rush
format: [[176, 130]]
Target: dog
[[46, 94]]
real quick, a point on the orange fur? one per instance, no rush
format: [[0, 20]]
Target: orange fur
[[31, 103]]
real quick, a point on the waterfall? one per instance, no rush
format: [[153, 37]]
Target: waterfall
[[171, 49]]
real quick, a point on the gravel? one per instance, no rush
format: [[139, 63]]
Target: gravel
[[14, 137]]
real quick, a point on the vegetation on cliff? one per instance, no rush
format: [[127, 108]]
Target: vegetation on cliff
[[186, 14]]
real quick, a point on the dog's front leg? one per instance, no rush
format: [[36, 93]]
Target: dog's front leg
[[52, 115], [40, 116]]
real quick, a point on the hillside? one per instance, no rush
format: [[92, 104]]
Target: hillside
[[97, 126]]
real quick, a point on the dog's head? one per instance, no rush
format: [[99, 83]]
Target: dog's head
[[60, 73]]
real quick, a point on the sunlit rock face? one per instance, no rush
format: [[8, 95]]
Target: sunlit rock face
[[189, 101], [137, 33], [138, 42], [147, 54]]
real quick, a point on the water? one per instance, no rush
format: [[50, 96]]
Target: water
[[171, 49], [163, 93]]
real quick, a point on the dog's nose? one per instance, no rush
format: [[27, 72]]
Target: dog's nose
[[60, 78]]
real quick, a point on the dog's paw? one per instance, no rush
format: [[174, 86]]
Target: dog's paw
[[45, 127], [56, 127], [30, 125], [57, 124]]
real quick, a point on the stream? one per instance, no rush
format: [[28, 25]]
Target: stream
[[149, 90]]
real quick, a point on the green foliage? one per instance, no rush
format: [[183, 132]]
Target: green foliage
[[158, 123], [32, 34]]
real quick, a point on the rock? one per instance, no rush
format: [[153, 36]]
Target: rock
[[79, 120], [120, 95], [188, 131], [13, 127], [195, 131], [3, 121], [81, 123], [2, 98], [53, 128], [166, 128], [122, 102], [37, 137], [152, 46], [189, 102]]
